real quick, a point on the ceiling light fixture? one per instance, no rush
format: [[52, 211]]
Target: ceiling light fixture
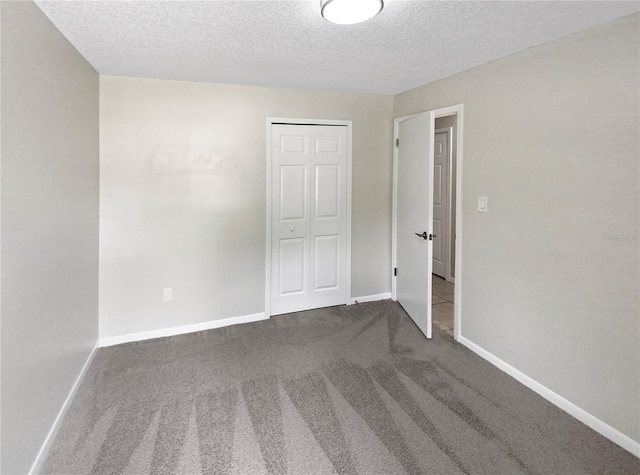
[[348, 12]]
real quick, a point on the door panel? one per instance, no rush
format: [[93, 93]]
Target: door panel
[[293, 191], [327, 144], [293, 144], [326, 261], [437, 184], [309, 221], [414, 215], [438, 254], [292, 264], [327, 191]]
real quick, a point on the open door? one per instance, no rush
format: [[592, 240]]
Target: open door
[[414, 215]]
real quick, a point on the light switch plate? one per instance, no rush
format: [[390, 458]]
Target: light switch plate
[[483, 204]]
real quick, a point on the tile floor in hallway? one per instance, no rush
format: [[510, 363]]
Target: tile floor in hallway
[[442, 305]]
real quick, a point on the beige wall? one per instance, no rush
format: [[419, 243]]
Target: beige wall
[[550, 284], [552, 139], [49, 226], [202, 232]]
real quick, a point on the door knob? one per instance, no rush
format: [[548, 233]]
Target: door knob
[[426, 236]]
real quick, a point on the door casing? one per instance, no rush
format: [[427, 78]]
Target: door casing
[[292, 121], [458, 111]]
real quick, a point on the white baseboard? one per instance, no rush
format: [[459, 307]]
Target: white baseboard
[[44, 450], [583, 416], [371, 298], [196, 327]]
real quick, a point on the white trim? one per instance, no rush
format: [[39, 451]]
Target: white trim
[[457, 306], [394, 211], [267, 268], [458, 111], [182, 329], [293, 121], [48, 441], [371, 298], [349, 203], [583, 416]]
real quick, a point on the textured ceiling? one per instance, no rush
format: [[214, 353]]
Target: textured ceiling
[[285, 43]]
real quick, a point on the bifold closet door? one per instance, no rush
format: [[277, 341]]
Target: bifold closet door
[[309, 217]]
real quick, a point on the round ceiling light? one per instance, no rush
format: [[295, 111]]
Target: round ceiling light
[[348, 12]]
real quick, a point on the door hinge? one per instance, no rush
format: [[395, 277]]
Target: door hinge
[[395, 271], [397, 142]]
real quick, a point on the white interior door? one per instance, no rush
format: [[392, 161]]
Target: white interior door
[[414, 215], [308, 217], [441, 203]]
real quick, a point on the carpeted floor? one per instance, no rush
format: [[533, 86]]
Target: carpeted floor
[[353, 389]]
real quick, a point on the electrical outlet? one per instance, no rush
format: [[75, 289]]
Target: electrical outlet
[[167, 294]]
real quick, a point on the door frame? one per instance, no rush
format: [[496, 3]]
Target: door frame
[[457, 110], [292, 121]]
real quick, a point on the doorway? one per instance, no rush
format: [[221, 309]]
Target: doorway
[[443, 290], [442, 305], [418, 157], [308, 215]]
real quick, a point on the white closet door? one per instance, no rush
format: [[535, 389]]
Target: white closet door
[[309, 217]]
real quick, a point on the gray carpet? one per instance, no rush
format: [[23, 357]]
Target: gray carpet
[[353, 389]]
